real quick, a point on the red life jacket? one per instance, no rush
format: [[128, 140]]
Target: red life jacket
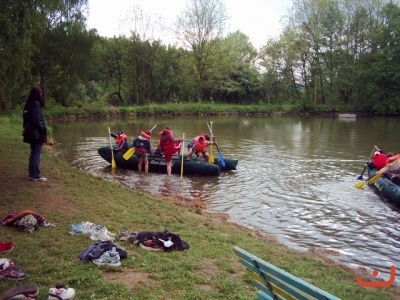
[[120, 139], [167, 142], [379, 160], [200, 146]]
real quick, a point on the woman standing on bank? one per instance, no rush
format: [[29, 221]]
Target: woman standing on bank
[[35, 132]]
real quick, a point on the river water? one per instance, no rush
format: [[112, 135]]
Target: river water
[[295, 178]]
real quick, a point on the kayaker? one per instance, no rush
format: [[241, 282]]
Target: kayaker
[[142, 149], [121, 139], [378, 160], [198, 145], [169, 146], [393, 169]]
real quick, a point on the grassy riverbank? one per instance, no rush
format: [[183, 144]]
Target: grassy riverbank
[[208, 270]]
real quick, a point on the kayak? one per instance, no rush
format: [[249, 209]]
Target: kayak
[[159, 165], [386, 188]]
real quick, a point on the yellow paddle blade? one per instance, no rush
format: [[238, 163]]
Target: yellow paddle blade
[[360, 184], [113, 164], [128, 154], [211, 159]]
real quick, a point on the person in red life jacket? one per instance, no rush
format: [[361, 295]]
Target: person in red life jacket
[[198, 145], [169, 146], [121, 139], [393, 170], [142, 149], [378, 160]]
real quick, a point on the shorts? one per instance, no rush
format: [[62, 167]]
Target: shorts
[[141, 154], [190, 144]]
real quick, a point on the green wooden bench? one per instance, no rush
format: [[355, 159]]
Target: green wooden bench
[[274, 283]]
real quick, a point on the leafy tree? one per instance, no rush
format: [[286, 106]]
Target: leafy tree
[[199, 24]]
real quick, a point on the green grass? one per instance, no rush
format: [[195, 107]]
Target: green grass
[[208, 270]]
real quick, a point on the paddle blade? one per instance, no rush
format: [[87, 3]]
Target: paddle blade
[[221, 158], [211, 159], [128, 154], [360, 185], [113, 164]]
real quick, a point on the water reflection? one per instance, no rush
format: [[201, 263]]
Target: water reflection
[[294, 179]]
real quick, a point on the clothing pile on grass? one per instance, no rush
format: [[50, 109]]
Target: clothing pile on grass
[[102, 253], [156, 241], [26, 220]]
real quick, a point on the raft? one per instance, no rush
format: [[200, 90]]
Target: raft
[[159, 165], [385, 188]]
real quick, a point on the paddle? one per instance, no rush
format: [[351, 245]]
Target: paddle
[[211, 157], [375, 177], [113, 164], [183, 141], [221, 158], [128, 154], [362, 173]]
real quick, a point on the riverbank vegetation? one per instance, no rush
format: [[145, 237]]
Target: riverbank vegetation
[[208, 270], [330, 56]]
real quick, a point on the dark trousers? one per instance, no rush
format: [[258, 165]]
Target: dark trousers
[[34, 161]]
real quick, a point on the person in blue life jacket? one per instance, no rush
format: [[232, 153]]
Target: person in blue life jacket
[[142, 149], [121, 139]]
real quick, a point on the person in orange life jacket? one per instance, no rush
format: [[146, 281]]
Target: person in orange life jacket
[[198, 145], [378, 160], [393, 171], [142, 148], [121, 139], [169, 146]]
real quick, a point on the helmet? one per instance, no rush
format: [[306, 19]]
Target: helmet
[[120, 133]]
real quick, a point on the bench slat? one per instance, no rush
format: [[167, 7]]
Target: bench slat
[[283, 284]]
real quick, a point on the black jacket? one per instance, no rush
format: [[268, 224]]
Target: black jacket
[[35, 131]]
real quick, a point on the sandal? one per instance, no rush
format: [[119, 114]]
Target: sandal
[[27, 291]]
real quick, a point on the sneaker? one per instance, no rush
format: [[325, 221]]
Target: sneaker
[[61, 292], [109, 258], [133, 238], [6, 246], [27, 291], [122, 235], [101, 234], [13, 274], [76, 229], [38, 179], [89, 228]]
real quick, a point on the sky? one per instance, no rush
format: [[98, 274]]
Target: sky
[[258, 19]]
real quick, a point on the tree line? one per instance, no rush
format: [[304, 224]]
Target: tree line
[[330, 53]]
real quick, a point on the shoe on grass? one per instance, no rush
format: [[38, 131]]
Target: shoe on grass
[[61, 292], [122, 235], [101, 234], [38, 179], [109, 258], [6, 246], [76, 229], [27, 291], [9, 271]]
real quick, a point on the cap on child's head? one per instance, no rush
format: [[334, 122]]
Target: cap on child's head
[[376, 153]]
